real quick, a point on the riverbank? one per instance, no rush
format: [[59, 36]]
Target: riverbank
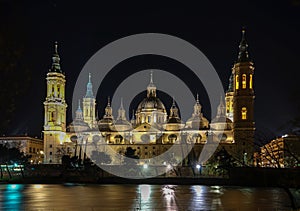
[[251, 177]]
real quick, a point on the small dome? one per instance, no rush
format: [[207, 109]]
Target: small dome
[[105, 124], [197, 122], [221, 119], [122, 125], [78, 125], [221, 123], [174, 120]]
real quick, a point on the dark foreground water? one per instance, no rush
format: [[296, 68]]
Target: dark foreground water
[[140, 197]]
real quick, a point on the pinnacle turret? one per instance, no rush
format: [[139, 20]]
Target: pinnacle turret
[[79, 115], [243, 49], [89, 88], [151, 89], [55, 67]]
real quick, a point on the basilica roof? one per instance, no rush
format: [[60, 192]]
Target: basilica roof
[[151, 103]]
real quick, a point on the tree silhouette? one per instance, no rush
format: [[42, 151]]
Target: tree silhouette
[[130, 153], [100, 157], [12, 156]]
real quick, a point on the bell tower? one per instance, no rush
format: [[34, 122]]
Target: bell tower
[[243, 104], [89, 105], [55, 110]]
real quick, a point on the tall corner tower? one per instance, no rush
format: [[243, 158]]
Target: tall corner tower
[[89, 105], [55, 110], [243, 104]]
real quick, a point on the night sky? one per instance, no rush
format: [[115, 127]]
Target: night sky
[[82, 28]]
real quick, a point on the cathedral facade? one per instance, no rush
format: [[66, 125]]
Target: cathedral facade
[[153, 129]]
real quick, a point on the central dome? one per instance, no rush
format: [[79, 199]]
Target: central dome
[[151, 104], [151, 110]]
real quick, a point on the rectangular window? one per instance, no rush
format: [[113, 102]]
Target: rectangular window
[[50, 153], [250, 82], [50, 146]]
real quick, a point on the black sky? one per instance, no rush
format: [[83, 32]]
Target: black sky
[[83, 27]]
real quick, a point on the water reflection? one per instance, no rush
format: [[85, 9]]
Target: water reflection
[[140, 197], [145, 191], [12, 197], [168, 192]]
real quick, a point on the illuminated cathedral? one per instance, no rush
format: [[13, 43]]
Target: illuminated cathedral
[[153, 128]]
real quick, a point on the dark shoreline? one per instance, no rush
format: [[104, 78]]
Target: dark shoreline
[[250, 177], [152, 181]]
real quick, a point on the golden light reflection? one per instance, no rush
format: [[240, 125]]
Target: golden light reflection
[[38, 186]]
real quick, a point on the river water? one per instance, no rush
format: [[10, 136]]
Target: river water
[[140, 197]]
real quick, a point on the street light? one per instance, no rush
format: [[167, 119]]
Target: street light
[[198, 166]]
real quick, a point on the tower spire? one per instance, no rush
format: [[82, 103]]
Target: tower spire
[[173, 103], [197, 99], [243, 49], [108, 101], [89, 88], [79, 108], [151, 89], [221, 108], [133, 115], [55, 67], [55, 47], [121, 111], [151, 77], [79, 115], [230, 85], [108, 109], [174, 109], [121, 105]]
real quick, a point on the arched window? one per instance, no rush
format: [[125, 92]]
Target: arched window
[[149, 119], [244, 81], [58, 91], [244, 113], [52, 116], [172, 138], [118, 139], [236, 82], [250, 82]]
